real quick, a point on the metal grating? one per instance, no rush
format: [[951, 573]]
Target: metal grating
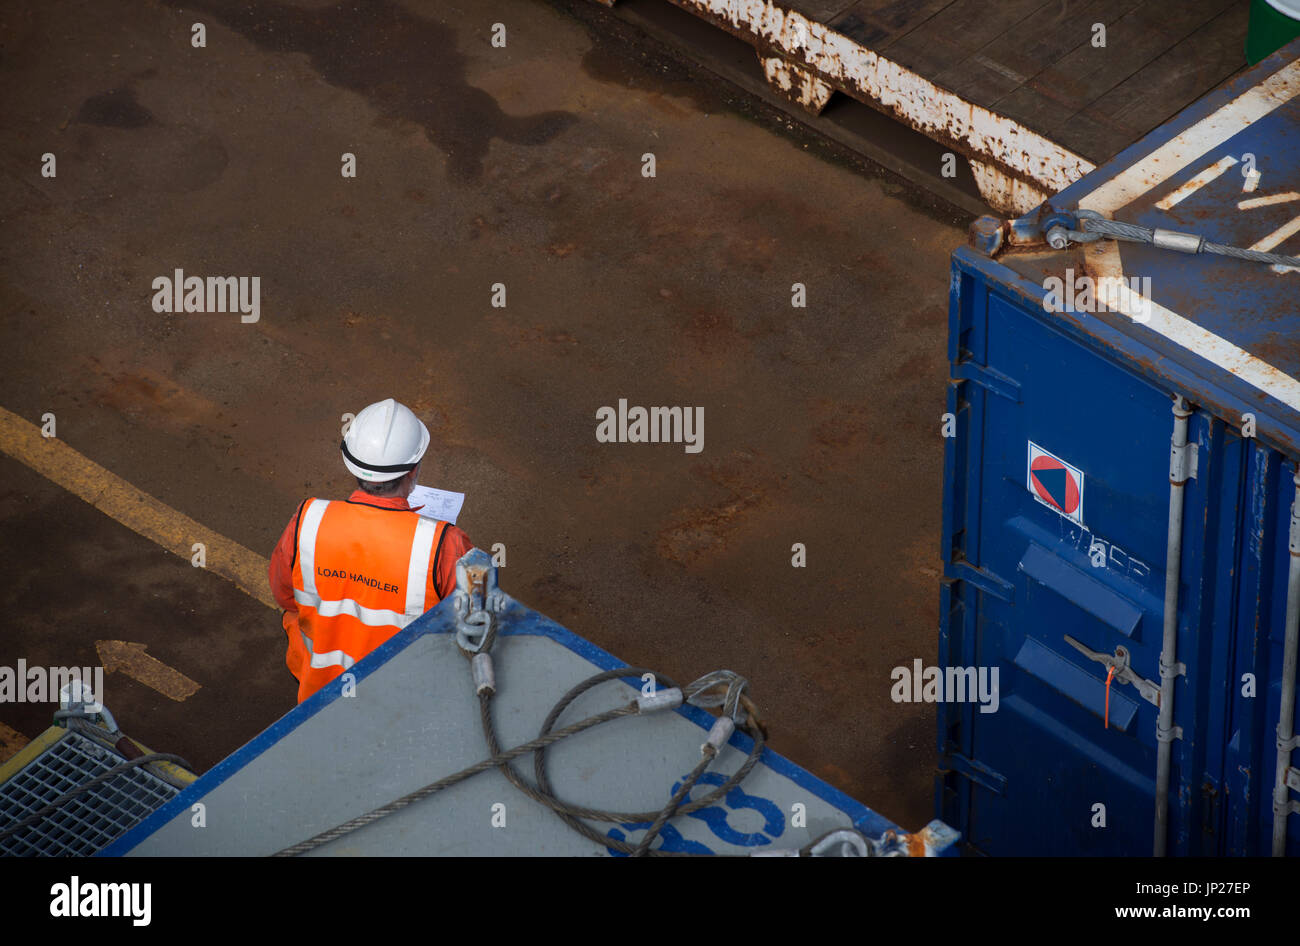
[[90, 821]]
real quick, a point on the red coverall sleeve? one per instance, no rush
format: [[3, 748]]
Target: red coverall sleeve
[[280, 572], [455, 543]]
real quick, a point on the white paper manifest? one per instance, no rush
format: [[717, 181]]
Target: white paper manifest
[[438, 503]]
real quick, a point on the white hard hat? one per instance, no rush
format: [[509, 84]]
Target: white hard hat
[[385, 441]]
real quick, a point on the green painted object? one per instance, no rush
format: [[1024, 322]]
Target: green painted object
[[1273, 24]]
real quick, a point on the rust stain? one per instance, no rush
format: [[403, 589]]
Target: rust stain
[[535, 338], [876, 262], [701, 530], [847, 424], [141, 393], [918, 364], [835, 775], [915, 844], [706, 529], [711, 331]]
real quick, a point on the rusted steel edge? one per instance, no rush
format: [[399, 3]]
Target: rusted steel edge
[[1015, 168]]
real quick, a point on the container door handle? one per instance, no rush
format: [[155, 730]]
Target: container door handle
[[1119, 667]]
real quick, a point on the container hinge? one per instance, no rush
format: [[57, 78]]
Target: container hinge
[[1124, 672], [978, 773], [987, 378], [1287, 745], [1183, 463], [982, 579], [1293, 779]]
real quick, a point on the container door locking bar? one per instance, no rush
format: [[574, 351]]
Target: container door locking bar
[[1120, 667]]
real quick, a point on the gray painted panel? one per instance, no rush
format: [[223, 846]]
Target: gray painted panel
[[415, 719]]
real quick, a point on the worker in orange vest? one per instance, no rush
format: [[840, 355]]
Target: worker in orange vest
[[350, 574]]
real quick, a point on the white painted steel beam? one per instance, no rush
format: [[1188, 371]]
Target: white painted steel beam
[[1015, 167]]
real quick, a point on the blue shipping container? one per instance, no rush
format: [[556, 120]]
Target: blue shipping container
[[1059, 496]]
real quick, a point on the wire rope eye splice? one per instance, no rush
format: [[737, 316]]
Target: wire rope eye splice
[[1059, 228], [476, 601], [737, 709]]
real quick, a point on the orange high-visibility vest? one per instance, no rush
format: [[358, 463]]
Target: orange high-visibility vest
[[361, 574]]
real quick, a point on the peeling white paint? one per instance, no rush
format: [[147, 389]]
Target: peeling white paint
[[1269, 201], [796, 83], [998, 143], [999, 189]]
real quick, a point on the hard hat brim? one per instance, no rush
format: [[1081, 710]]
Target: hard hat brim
[[383, 474]]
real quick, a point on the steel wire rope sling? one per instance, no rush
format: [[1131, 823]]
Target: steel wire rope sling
[[737, 710], [668, 698], [475, 602], [1088, 226], [736, 706]]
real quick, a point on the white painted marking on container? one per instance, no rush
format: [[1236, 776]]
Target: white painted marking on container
[[1255, 202], [1281, 234], [1103, 260], [1207, 134], [1251, 181], [1104, 263], [1176, 196]]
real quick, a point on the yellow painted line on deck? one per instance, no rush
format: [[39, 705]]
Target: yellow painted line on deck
[[130, 658], [11, 742], [138, 511]]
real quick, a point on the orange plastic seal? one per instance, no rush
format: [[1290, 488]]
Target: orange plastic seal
[[1110, 675]]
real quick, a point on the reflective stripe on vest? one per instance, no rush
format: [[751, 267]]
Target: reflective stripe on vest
[[421, 552], [335, 658], [317, 611]]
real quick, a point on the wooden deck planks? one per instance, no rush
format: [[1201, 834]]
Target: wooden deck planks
[[1038, 43], [1182, 74], [877, 23], [1033, 60]]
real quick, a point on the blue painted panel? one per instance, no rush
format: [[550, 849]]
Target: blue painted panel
[[1080, 589], [1092, 392], [1082, 686]]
